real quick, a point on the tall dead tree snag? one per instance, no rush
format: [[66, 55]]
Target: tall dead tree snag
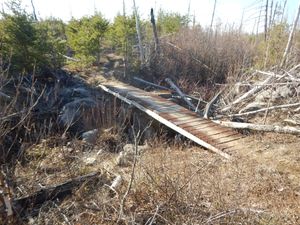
[[156, 41], [33, 11], [213, 15], [290, 40], [266, 19], [138, 30]]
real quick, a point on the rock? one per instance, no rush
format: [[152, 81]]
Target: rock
[[90, 137], [116, 64], [89, 160], [77, 116], [126, 157], [113, 57], [131, 148]]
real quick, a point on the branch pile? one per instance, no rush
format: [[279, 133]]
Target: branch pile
[[265, 100]]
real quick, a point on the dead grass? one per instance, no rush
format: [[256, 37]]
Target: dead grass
[[172, 185]]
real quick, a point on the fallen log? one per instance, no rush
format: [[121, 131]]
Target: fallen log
[[30, 205], [210, 103], [151, 84], [271, 74], [248, 94], [165, 88], [261, 110], [259, 127], [181, 94]]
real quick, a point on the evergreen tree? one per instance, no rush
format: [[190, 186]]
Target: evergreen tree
[[85, 37]]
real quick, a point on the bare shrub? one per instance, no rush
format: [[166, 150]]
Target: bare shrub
[[199, 57]]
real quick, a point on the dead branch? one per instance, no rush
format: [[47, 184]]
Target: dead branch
[[259, 127], [290, 78], [210, 103], [157, 49], [181, 94], [262, 110], [248, 94], [29, 205]]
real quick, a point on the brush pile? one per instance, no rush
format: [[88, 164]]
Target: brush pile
[[261, 97]]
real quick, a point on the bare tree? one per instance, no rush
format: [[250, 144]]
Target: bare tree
[[154, 31], [283, 11], [33, 11], [266, 19], [289, 43], [138, 30], [213, 14], [125, 40], [271, 14]]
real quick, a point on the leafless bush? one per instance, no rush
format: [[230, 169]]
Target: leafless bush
[[201, 57]]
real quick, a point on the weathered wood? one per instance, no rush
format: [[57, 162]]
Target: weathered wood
[[29, 205], [291, 36], [263, 110], [248, 94], [166, 122], [156, 41], [138, 30], [180, 93], [151, 84], [207, 110], [259, 127]]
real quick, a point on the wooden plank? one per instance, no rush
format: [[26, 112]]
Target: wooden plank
[[195, 124], [204, 126], [228, 139], [209, 131], [185, 120]]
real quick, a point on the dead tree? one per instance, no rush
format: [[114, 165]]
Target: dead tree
[[291, 36], [283, 10], [266, 19], [156, 41], [213, 15], [30, 205], [138, 30], [271, 14], [33, 11], [125, 40]]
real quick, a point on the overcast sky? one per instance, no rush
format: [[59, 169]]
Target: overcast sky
[[227, 11]]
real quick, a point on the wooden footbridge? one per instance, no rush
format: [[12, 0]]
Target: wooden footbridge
[[219, 139]]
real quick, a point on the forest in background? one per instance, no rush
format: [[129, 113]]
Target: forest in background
[[221, 52]]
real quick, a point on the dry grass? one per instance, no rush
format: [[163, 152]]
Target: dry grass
[[172, 185]]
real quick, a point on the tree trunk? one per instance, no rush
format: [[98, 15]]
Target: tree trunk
[[155, 32], [258, 127], [213, 15], [138, 30], [289, 43], [266, 19]]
